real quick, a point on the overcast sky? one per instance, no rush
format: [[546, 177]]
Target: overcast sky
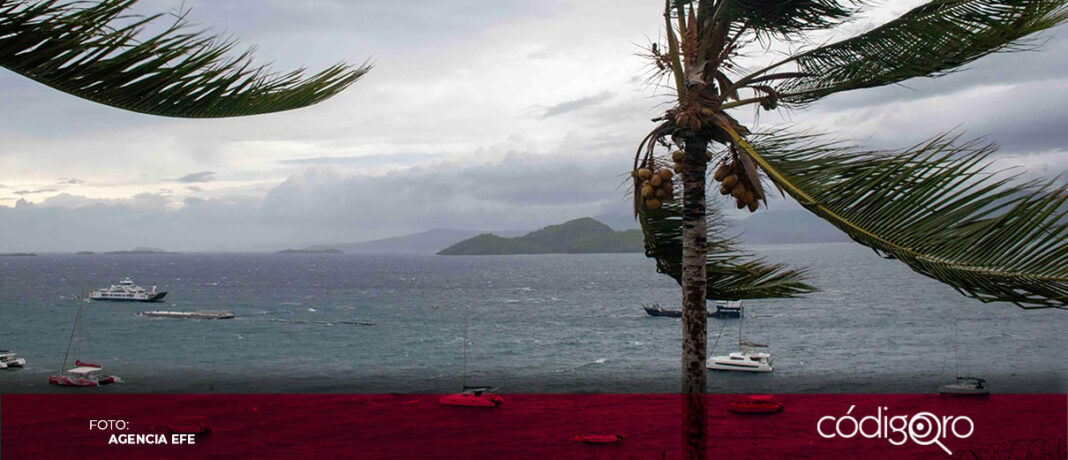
[[477, 115]]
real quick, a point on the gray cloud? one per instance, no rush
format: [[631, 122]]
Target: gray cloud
[[323, 204], [363, 160], [202, 176], [35, 191], [577, 104]]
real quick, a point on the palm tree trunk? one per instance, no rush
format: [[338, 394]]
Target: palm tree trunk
[[694, 319]]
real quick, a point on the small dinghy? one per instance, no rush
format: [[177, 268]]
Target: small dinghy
[[599, 438], [193, 425], [762, 404]]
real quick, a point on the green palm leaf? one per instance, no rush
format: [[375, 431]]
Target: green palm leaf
[[786, 18], [80, 50], [930, 40], [935, 207], [732, 274]]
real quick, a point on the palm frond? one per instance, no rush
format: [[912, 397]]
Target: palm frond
[[931, 40], [786, 18], [94, 52], [935, 207], [732, 274]]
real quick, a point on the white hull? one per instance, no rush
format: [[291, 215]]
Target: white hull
[[11, 360], [962, 389], [741, 362]]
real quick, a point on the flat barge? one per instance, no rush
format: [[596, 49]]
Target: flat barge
[[201, 314]]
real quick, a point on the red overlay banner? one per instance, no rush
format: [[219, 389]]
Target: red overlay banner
[[528, 426]]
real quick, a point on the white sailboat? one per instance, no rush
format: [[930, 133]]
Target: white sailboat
[[748, 359], [471, 396], [83, 374], [963, 385]]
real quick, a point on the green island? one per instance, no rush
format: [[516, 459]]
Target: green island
[[579, 236]]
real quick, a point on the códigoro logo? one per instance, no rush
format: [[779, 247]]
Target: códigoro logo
[[923, 428]]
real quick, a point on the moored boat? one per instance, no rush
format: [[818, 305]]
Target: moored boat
[[755, 404], [199, 314], [741, 361], [472, 397], [127, 291], [85, 375], [10, 359], [965, 386], [724, 309], [727, 309], [599, 438]]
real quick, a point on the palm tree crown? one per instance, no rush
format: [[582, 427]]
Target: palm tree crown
[[935, 206]]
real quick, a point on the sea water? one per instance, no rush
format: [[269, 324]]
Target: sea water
[[533, 323]]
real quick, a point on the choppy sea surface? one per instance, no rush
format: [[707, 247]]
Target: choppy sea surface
[[534, 324]]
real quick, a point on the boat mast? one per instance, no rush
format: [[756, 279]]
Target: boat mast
[[740, 318], [464, 378], [77, 319], [956, 351]]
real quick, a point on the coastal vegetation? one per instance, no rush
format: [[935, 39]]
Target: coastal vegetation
[[935, 206]]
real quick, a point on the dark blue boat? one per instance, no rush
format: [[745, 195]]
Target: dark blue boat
[[724, 309], [727, 309]]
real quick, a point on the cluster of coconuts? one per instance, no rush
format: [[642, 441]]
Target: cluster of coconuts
[[678, 155], [735, 182], [655, 187]]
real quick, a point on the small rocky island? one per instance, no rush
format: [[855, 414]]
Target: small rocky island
[[310, 251], [141, 250]]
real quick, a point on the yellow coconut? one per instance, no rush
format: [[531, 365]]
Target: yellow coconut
[[656, 180], [665, 174], [738, 191], [652, 203], [754, 205], [645, 173], [730, 181], [677, 156], [647, 191]]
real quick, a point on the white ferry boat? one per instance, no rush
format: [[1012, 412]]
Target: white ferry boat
[[127, 291]]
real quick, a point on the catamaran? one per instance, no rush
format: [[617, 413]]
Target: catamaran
[[127, 291], [746, 360], [83, 374]]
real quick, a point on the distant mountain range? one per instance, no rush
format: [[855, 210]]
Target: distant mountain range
[[579, 236], [792, 226], [789, 226], [432, 240]]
